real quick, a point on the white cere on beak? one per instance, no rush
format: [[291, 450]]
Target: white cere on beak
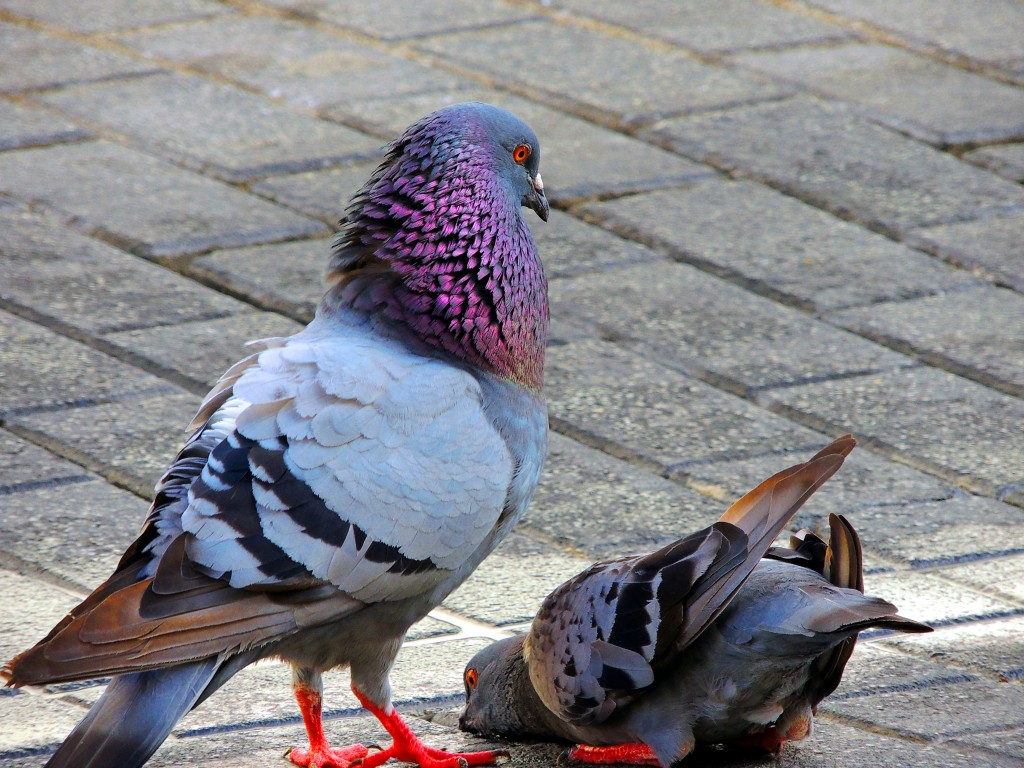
[[538, 183]]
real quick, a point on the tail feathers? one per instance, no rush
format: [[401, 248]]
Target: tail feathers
[[134, 716]]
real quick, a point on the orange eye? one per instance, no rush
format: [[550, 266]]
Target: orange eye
[[520, 153], [471, 679]]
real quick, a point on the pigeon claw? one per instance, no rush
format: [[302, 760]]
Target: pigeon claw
[[633, 754], [322, 756]]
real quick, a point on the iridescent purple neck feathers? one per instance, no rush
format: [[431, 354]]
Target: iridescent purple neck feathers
[[436, 241]]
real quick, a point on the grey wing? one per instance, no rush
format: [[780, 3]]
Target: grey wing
[[592, 645]]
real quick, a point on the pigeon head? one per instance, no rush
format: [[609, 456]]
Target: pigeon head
[[436, 240], [500, 699]]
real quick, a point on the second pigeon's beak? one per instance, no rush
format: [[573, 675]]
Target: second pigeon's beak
[[536, 200]]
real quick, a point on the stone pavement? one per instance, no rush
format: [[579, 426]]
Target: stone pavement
[[776, 222]]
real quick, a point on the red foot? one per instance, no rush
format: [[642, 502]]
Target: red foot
[[319, 754], [765, 741], [408, 748], [635, 754]]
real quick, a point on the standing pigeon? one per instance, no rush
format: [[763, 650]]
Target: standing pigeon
[[344, 480], [637, 659]]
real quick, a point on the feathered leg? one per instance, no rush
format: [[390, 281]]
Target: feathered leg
[[408, 748], [133, 717], [308, 687]]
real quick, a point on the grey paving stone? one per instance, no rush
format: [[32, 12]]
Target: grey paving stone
[[1009, 742], [643, 83], [945, 711], [990, 32], [994, 647], [991, 246], [23, 126], [957, 428], [933, 600], [39, 369], [1002, 576], [712, 28], [290, 60], [132, 439], [148, 206], [100, 15], [1005, 159], [987, 337], [878, 668], [808, 255], [597, 505], [284, 276], [510, 584], [26, 619], [24, 465], [397, 19], [666, 417], [34, 722], [697, 322], [75, 531], [32, 59], [202, 350], [570, 247], [219, 129], [578, 159], [828, 155], [321, 194], [929, 100], [91, 286]]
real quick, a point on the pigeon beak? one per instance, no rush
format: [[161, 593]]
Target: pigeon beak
[[536, 200]]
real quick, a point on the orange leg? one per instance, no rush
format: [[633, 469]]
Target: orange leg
[[634, 754], [769, 741], [408, 748], [319, 753]]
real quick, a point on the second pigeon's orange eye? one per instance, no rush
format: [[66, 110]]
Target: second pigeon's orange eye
[[471, 678], [520, 153]]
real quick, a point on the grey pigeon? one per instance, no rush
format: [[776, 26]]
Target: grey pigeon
[[640, 658], [343, 481]]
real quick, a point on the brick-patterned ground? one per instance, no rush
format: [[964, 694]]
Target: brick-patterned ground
[[777, 221]]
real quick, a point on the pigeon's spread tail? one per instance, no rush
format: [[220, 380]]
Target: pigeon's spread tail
[[134, 716]]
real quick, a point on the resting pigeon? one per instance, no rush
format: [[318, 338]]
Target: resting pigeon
[[640, 658], [342, 481]]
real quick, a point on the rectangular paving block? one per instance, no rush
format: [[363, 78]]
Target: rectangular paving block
[[578, 158], [811, 257], [991, 246], [927, 99], [400, 19], [643, 83], [1001, 576], [320, 194], [302, 64], [569, 247], [145, 205], [202, 350], [698, 322], [1005, 159], [876, 667], [284, 276], [24, 466], [24, 126], [77, 532], [986, 342], [711, 28], [953, 427], [633, 405], [1009, 742], [593, 503], [988, 32], [929, 598], [33, 724], [100, 16], [26, 620], [30, 59], [938, 713], [40, 369], [132, 440], [91, 286], [829, 155], [994, 647], [216, 128], [508, 587]]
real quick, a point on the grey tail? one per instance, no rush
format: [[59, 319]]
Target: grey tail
[[134, 716]]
